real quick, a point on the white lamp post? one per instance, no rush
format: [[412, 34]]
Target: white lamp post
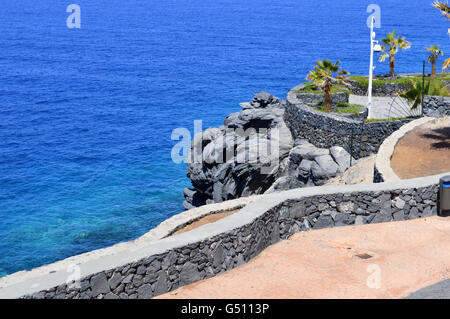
[[374, 47]]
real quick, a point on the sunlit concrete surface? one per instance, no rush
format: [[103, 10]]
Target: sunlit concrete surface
[[385, 107], [441, 290], [389, 260]]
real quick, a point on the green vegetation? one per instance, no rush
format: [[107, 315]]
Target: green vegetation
[[435, 51], [443, 7], [437, 85], [391, 119], [392, 45], [323, 75], [415, 93], [443, 76], [432, 87], [313, 88], [342, 108], [364, 81]]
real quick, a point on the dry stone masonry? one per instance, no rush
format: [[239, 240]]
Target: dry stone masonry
[[316, 98], [436, 106], [326, 130], [385, 89]]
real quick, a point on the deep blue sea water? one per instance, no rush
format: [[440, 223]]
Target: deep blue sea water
[[86, 115]]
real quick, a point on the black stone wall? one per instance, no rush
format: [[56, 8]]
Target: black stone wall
[[326, 130], [436, 106]]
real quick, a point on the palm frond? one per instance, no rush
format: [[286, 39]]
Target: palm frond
[[415, 93], [384, 57], [326, 71], [435, 49], [392, 45], [443, 7], [446, 64]]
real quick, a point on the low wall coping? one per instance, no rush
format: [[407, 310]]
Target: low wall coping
[[174, 223]]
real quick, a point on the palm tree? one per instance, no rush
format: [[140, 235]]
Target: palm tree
[[323, 75], [393, 44], [435, 52], [445, 10]]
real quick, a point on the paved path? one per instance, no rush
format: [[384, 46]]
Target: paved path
[[406, 256], [441, 290], [386, 107]]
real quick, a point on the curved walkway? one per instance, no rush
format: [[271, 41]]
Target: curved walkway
[[389, 260]]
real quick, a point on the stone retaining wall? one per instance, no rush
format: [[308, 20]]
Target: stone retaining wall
[[436, 106], [148, 269], [315, 99], [326, 130], [164, 272], [387, 89], [356, 208]]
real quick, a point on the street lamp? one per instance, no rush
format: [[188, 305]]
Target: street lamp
[[374, 47]]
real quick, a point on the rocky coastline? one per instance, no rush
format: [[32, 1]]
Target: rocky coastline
[[232, 165]]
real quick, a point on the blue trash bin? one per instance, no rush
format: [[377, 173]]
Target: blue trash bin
[[444, 196]]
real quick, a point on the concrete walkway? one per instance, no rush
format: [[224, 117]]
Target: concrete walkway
[[387, 107], [441, 290], [389, 260]]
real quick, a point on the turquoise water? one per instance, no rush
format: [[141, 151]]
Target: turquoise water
[[86, 115]]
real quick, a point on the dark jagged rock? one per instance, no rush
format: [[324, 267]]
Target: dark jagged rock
[[253, 153], [261, 100]]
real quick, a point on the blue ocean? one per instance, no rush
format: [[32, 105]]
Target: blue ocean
[[86, 115]]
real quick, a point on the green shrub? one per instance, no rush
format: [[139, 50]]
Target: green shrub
[[312, 88], [342, 107], [437, 87], [432, 87], [437, 84], [364, 81], [391, 119]]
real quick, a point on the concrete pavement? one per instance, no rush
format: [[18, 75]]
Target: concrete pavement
[[387, 107], [441, 290], [389, 260]]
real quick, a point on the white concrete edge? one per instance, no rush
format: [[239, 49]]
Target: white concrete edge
[[387, 148], [172, 224], [46, 277]]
